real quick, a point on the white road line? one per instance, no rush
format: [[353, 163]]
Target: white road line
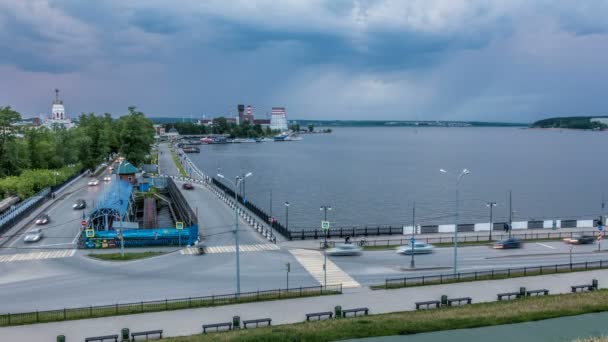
[[242, 248], [542, 244], [312, 261], [76, 237], [53, 244]]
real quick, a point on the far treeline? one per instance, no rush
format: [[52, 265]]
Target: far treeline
[[221, 126], [571, 122], [33, 158]]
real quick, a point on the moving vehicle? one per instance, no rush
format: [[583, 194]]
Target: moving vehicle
[[580, 239], [344, 250], [419, 248], [508, 243], [94, 182], [33, 235], [80, 204], [42, 219], [107, 178], [187, 186]]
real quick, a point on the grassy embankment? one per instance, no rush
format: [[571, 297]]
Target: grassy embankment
[[412, 322], [127, 257], [178, 164]]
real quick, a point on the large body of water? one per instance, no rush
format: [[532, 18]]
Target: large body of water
[[372, 176]]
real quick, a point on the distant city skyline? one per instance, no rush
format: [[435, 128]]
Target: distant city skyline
[[459, 60]]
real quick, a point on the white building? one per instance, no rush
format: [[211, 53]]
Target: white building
[[58, 116], [600, 120], [278, 119]]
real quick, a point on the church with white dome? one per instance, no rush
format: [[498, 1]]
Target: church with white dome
[[58, 116]]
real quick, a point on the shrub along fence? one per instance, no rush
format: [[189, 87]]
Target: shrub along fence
[[163, 305], [515, 272]]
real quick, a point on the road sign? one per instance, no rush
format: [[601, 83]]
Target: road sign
[[90, 233], [179, 225], [83, 223], [325, 225], [412, 240], [600, 227]]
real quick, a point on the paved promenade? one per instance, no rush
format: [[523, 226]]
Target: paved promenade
[[188, 322]]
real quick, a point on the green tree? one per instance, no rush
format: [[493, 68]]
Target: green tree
[[311, 128], [7, 117], [136, 136]]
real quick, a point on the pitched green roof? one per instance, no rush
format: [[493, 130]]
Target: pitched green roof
[[125, 168]]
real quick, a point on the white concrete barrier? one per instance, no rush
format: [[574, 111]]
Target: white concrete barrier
[[446, 228], [584, 223], [482, 227], [520, 225]]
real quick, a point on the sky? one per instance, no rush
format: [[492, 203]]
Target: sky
[[512, 61]]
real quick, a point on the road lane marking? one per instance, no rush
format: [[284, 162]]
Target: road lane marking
[[312, 261], [76, 237], [542, 244], [232, 249], [64, 253]]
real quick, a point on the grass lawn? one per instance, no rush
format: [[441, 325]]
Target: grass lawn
[[411, 322], [178, 164], [128, 256]]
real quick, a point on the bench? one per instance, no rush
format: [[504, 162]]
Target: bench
[[257, 322], [217, 326], [102, 338], [355, 311], [508, 295], [582, 287], [466, 300], [329, 314], [537, 292], [147, 333], [428, 304]]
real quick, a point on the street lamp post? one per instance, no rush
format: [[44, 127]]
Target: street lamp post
[[325, 208], [287, 215], [491, 205], [413, 242], [238, 179], [463, 173]]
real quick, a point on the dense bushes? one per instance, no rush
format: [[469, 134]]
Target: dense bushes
[[32, 181]]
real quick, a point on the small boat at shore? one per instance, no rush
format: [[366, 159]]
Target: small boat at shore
[[281, 137]]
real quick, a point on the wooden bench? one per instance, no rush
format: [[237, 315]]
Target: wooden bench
[[329, 314], [101, 338], [588, 287], [537, 292], [428, 304], [467, 300], [257, 322], [508, 295], [355, 311], [217, 326], [147, 333]]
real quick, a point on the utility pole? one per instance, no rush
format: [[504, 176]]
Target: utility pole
[[287, 215], [325, 208], [413, 241], [271, 219], [491, 205], [288, 270], [510, 212]]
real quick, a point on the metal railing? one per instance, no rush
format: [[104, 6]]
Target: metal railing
[[162, 305], [466, 238], [11, 218], [494, 274]]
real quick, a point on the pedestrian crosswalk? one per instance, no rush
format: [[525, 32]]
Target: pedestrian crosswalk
[[55, 254], [312, 261], [231, 249]]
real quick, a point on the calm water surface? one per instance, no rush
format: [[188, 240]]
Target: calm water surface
[[372, 176]]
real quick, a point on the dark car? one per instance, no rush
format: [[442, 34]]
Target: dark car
[[508, 243], [580, 239], [79, 204], [42, 219], [188, 186]]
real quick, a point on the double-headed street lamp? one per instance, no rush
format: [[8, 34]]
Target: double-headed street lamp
[[463, 173], [236, 183], [491, 205], [324, 209], [287, 216]]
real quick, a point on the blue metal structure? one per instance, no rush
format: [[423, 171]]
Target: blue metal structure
[[145, 237], [114, 204]]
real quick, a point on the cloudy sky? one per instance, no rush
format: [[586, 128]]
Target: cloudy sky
[[515, 60]]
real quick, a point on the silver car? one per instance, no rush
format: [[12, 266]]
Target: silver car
[[344, 250], [419, 248], [33, 235]]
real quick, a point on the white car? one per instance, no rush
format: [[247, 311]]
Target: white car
[[107, 178], [94, 182], [419, 248], [346, 249], [33, 235]]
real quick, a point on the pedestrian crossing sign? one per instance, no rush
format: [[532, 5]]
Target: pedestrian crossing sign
[[179, 225], [325, 225], [90, 233]]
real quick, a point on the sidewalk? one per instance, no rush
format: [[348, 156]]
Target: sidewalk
[[188, 322]]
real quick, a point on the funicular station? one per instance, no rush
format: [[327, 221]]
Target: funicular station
[[142, 212]]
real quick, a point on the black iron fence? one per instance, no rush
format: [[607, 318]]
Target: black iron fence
[[466, 238], [261, 214], [163, 305], [494, 274]]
